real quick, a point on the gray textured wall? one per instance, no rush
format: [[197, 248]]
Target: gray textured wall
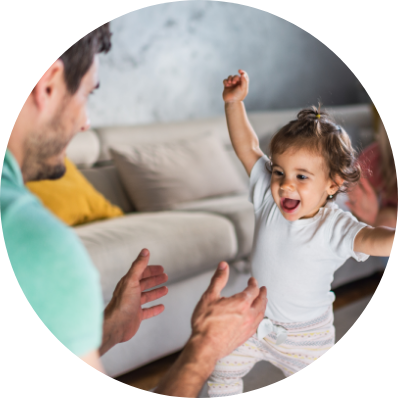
[[167, 63]]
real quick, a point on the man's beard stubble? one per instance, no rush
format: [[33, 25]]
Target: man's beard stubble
[[41, 148]]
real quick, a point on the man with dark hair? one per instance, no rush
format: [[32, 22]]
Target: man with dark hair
[[78, 58], [54, 269]]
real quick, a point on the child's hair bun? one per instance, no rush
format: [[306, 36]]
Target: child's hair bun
[[312, 123], [315, 119], [312, 113]]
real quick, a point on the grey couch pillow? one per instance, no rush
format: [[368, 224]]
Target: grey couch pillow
[[158, 176]]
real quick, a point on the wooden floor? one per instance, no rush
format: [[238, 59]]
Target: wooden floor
[[148, 377]]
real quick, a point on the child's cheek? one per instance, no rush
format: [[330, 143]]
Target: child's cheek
[[274, 189]]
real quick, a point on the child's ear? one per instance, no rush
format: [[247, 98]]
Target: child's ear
[[335, 184]]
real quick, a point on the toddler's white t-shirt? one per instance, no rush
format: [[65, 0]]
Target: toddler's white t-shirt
[[296, 260]]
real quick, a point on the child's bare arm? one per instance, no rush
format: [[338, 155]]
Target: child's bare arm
[[374, 241], [243, 137]]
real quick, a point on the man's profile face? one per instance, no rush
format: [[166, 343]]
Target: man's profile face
[[45, 149]]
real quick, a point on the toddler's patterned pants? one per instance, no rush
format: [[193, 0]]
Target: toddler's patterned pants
[[306, 341]]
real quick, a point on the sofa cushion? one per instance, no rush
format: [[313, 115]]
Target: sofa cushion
[[159, 132], [106, 180], [72, 198], [159, 176], [237, 209], [185, 244]]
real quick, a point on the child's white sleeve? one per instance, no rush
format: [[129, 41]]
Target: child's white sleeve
[[260, 180], [344, 227]]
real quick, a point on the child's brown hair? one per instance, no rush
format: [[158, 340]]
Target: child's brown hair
[[316, 131]]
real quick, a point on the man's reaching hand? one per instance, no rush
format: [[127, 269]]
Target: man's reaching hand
[[124, 314], [219, 325]]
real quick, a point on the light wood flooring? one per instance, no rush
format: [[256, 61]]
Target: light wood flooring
[[148, 376]]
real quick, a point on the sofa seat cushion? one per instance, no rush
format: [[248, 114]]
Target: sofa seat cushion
[[185, 244], [237, 209]]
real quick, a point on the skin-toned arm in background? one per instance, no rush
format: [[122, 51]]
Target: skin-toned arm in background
[[375, 241], [243, 137], [387, 216], [364, 204], [219, 325]]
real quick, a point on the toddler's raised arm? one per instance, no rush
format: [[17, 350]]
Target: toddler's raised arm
[[243, 137], [375, 241]]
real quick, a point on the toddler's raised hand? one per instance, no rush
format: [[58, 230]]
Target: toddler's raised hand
[[236, 87]]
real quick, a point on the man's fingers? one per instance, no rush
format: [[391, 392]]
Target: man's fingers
[[153, 311], [139, 265], [153, 281], [154, 294], [218, 281], [260, 303], [152, 270], [252, 290]]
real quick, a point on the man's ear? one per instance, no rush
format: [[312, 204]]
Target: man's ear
[[50, 86]]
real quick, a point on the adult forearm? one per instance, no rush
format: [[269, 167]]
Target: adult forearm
[[243, 137], [188, 374]]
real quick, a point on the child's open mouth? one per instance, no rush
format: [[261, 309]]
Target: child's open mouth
[[289, 205]]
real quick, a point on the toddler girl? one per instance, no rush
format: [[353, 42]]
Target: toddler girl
[[301, 236]]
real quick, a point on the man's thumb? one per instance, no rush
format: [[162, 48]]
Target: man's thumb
[[219, 279], [140, 262], [144, 253]]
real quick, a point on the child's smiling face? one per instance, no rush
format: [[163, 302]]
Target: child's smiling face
[[300, 183]]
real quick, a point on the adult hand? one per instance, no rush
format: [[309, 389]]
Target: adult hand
[[363, 202], [236, 87], [219, 325], [123, 315], [223, 324]]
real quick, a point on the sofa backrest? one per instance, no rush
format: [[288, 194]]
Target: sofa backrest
[[91, 147]]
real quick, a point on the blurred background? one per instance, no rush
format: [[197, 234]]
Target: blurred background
[[168, 61]]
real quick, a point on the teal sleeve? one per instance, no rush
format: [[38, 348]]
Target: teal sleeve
[[54, 271]]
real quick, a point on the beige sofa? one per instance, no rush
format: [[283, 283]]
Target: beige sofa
[[188, 240]]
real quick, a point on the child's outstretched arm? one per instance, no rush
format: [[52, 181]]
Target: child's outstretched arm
[[243, 137], [374, 241]]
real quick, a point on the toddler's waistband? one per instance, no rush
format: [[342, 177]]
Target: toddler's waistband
[[268, 326], [320, 321]]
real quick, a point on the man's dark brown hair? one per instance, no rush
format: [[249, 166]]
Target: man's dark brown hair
[[78, 58]]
